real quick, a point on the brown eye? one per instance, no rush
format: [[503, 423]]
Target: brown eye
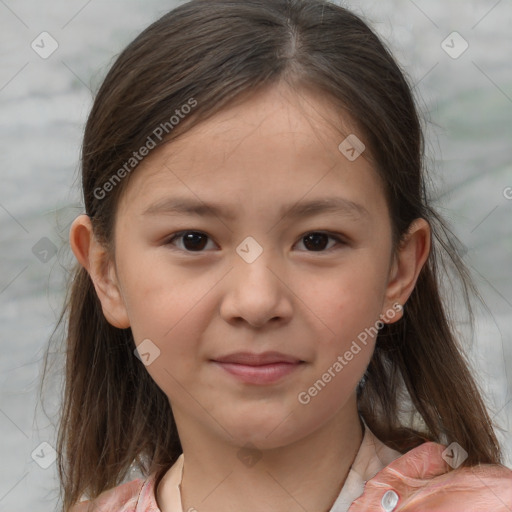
[[317, 241], [192, 241], [196, 241]]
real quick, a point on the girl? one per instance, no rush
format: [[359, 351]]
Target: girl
[[213, 342]]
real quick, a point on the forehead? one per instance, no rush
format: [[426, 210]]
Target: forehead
[[277, 146]]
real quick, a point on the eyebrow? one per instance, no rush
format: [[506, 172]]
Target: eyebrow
[[300, 209]]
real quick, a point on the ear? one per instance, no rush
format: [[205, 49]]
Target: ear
[[95, 259], [411, 255]]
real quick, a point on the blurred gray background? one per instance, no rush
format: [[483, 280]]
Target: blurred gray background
[[463, 83]]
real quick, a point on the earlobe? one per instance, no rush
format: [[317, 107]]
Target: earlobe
[[411, 255], [95, 259]]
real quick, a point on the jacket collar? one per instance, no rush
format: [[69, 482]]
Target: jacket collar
[[372, 456]]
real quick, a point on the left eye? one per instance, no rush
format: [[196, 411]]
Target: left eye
[[195, 241], [316, 241]]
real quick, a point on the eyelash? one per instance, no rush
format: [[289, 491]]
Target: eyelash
[[341, 241]]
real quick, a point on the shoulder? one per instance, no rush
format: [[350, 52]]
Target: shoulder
[[475, 488], [422, 480], [133, 496]]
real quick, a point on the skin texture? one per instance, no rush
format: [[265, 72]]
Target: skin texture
[[275, 149]]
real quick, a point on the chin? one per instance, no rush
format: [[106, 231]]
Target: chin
[[274, 429]]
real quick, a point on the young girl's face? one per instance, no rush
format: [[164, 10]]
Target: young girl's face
[[261, 273]]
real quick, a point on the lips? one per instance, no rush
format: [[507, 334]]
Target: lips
[[252, 359], [258, 369]]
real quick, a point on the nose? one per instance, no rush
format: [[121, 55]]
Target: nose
[[256, 290]]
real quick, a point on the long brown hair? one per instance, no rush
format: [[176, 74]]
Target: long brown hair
[[217, 52]]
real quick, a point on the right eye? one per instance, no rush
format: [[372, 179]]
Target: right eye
[[192, 241]]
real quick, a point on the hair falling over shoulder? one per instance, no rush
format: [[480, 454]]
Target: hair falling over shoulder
[[218, 52]]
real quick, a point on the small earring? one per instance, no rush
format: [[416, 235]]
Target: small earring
[[398, 306]]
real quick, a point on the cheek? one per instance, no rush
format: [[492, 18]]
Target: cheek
[[346, 301], [167, 316], [349, 304], [175, 335], [172, 310], [158, 298]]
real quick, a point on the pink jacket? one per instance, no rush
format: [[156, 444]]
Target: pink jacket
[[380, 479]]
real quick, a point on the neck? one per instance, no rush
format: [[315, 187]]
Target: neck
[[305, 475]]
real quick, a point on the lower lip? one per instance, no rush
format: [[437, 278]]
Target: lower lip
[[264, 374]]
